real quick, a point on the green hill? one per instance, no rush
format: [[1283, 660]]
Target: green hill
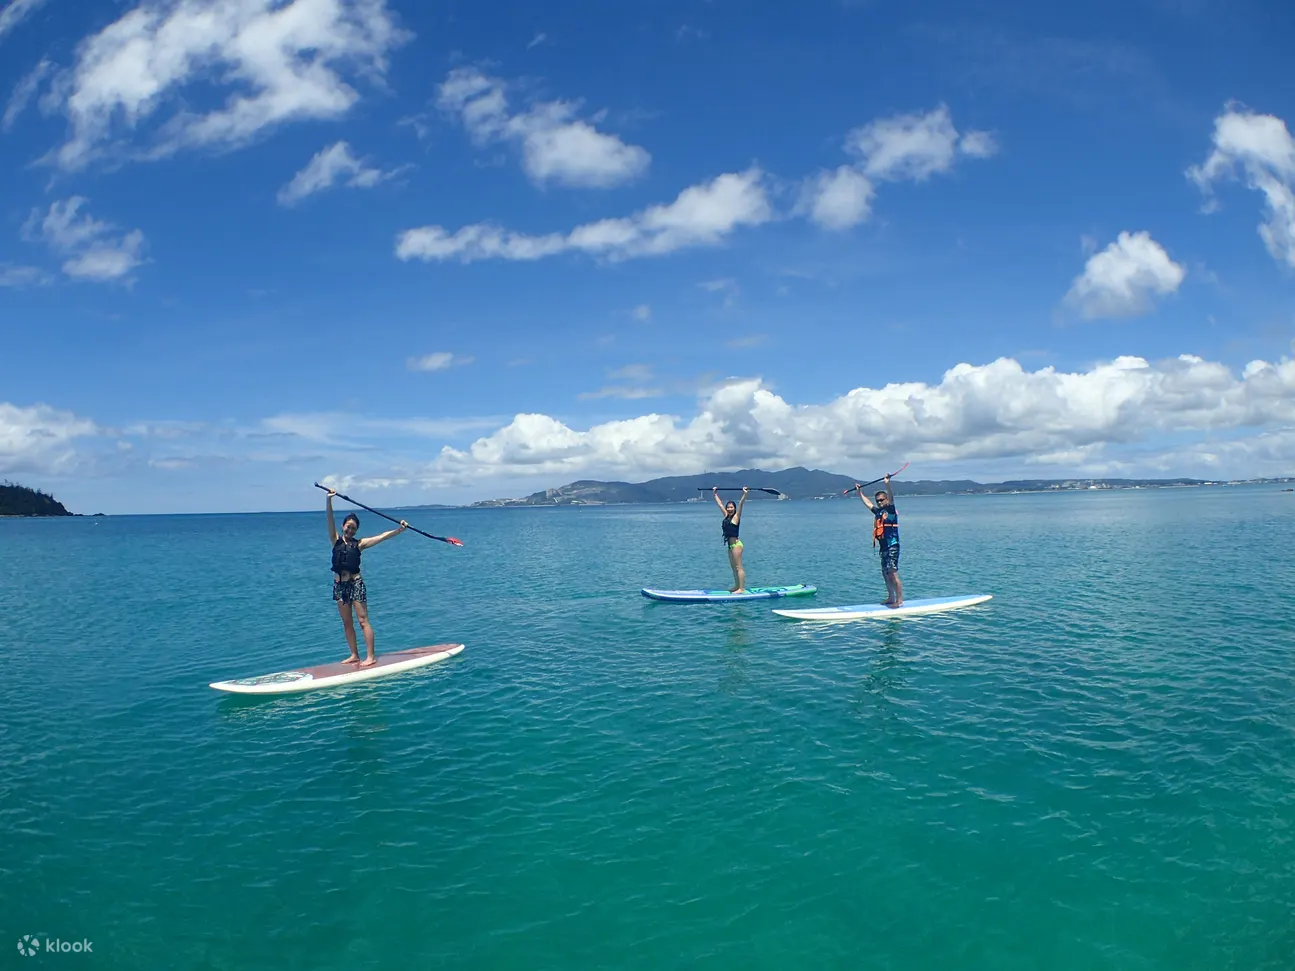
[[16, 500], [797, 483]]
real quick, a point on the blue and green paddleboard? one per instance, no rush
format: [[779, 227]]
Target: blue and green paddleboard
[[723, 596]]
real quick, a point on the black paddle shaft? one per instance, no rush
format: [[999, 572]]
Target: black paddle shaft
[[444, 539], [864, 485], [772, 492]]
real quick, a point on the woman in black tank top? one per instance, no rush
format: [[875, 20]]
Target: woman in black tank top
[[732, 520], [348, 586]]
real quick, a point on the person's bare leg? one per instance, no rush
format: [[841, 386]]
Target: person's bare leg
[[348, 627], [362, 611]]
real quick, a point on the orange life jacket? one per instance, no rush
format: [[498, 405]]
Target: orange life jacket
[[879, 527]]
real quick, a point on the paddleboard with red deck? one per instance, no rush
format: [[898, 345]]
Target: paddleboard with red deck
[[328, 675]]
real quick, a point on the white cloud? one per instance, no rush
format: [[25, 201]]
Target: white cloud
[[22, 276], [329, 166], [701, 215], [15, 12], [107, 260], [903, 147], [439, 361], [837, 200], [1123, 279], [556, 145], [1261, 147], [38, 440], [92, 250], [642, 312], [537, 40], [978, 144], [976, 413], [283, 62], [915, 146], [24, 91]]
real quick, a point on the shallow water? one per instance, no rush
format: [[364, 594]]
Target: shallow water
[[1093, 770]]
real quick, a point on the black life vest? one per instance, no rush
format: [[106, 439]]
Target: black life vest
[[730, 529], [346, 556]]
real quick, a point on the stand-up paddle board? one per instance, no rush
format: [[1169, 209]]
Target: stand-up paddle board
[[880, 612], [327, 675], [723, 596]]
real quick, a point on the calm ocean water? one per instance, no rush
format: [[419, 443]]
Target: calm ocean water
[[1095, 770]]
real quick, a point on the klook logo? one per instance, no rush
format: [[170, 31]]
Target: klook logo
[[30, 945]]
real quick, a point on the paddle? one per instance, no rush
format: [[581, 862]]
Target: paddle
[[444, 539], [846, 492], [772, 492]]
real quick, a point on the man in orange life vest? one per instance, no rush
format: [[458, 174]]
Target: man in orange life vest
[[885, 535]]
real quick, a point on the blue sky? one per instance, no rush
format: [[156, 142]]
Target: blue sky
[[445, 252]]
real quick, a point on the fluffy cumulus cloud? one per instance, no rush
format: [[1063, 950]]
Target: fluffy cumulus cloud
[[977, 414], [1258, 149], [915, 146], [332, 165], [702, 215], [912, 147], [1124, 279], [905, 147], [837, 200], [92, 250], [278, 61], [557, 146], [1181, 416], [40, 440]]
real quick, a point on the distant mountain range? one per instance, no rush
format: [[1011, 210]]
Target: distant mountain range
[[801, 483]]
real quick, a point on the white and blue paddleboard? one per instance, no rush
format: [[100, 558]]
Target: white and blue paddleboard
[[723, 596], [878, 611], [328, 675]]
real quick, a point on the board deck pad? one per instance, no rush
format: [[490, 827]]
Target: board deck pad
[[327, 675], [876, 611], [723, 596]]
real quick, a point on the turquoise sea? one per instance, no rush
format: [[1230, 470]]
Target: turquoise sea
[[1094, 770]]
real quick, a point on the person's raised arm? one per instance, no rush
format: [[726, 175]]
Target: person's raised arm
[[715, 492], [866, 501], [382, 537], [737, 516], [332, 525]]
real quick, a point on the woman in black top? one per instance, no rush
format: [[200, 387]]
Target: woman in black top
[[732, 518], [348, 585]]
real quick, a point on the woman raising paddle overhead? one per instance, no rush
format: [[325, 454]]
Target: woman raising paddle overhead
[[348, 587], [732, 518]]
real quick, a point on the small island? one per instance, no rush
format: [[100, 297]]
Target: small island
[[18, 500]]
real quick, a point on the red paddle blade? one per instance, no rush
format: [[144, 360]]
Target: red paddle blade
[[453, 542]]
